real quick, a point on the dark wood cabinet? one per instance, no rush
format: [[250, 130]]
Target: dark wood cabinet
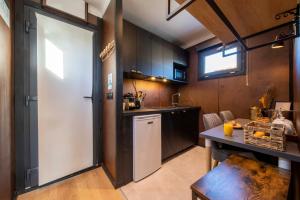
[[180, 56], [157, 57], [149, 54], [168, 135], [168, 60], [129, 47], [179, 131], [144, 52]]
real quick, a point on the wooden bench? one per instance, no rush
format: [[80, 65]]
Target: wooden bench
[[239, 178]]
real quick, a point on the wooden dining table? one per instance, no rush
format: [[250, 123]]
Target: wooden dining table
[[216, 134]]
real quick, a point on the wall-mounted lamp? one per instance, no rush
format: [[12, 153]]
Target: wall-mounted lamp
[[278, 44], [165, 80]]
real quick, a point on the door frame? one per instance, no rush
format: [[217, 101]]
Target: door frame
[[26, 142]]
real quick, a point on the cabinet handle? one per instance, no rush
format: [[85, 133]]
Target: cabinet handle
[[184, 111], [150, 122], [172, 113]]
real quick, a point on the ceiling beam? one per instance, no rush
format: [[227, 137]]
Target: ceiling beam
[[179, 9], [221, 15]]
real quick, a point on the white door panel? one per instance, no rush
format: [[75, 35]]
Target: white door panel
[[65, 69]]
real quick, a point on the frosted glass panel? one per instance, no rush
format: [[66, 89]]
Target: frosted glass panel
[[4, 12], [65, 55], [73, 7]]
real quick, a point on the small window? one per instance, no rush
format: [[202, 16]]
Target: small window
[[214, 63]]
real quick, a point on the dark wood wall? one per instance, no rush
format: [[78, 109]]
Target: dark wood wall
[[267, 67], [5, 113], [109, 105], [296, 106], [112, 107], [296, 83], [157, 93]]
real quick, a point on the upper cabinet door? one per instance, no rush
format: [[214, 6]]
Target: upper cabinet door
[[180, 56], [144, 52], [157, 57], [129, 47], [168, 60]]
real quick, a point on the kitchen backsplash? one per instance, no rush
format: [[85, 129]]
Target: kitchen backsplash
[[157, 93]]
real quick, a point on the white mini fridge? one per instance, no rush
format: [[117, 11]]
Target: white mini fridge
[[146, 145]]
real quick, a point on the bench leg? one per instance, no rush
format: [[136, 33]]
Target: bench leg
[[284, 163], [208, 155]]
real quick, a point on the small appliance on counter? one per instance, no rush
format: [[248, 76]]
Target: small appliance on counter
[[131, 101]]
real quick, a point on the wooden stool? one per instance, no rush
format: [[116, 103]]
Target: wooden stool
[[240, 178]]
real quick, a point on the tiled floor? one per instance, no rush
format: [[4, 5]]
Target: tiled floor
[[172, 181]]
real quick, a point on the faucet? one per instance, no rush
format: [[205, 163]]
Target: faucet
[[175, 103]]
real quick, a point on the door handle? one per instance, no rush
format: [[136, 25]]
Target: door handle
[[88, 97], [29, 99]]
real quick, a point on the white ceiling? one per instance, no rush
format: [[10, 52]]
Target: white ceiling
[[183, 30]]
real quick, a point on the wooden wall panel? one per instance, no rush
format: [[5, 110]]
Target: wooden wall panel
[[295, 182], [5, 113], [157, 94], [267, 67], [296, 83], [109, 105]]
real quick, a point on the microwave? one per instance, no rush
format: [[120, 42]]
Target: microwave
[[180, 74]]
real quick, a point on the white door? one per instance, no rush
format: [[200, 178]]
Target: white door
[[65, 69]]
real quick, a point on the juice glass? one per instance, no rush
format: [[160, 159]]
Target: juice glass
[[228, 129]]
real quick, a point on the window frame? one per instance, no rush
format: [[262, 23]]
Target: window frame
[[241, 63]]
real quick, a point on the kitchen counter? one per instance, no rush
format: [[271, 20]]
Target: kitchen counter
[[155, 110]]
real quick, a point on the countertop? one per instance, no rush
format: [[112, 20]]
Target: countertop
[[154, 110]]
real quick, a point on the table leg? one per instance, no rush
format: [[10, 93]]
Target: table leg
[[194, 196], [208, 155], [284, 163]]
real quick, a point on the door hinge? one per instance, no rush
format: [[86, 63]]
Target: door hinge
[[29, 173], [29, 99], [27, 26]]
